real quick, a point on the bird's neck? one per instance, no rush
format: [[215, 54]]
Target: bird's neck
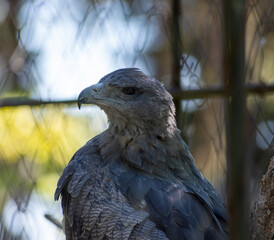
[[150, 152], [133, 126]]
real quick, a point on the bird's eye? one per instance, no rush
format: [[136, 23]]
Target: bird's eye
[[129, 90]]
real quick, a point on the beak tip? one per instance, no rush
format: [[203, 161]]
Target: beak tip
[[79, 104]]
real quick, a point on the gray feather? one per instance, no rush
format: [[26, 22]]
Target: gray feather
[[137, 180]]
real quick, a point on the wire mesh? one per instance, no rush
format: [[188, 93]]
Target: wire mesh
[[51, 50]]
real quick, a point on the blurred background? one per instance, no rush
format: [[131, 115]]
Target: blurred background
[[51, 50]]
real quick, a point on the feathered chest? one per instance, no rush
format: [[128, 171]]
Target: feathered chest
[[149, 154]]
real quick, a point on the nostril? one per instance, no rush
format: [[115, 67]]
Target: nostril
[[95, 90]]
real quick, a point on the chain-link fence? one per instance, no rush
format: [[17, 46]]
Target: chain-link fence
[[51, 50]]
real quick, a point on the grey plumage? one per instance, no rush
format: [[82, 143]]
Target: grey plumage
[[137, 179]]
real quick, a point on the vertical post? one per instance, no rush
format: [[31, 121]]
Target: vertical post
[[234, 67], [176, 47]]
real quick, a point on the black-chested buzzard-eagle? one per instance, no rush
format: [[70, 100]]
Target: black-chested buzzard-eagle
[[137, 179]]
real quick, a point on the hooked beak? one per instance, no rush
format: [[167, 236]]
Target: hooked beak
[[90, 94]]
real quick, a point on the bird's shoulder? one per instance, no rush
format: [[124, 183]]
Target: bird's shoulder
[[93, 206], [85, 160]]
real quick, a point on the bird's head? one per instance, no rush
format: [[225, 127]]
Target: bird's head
[[132, 101]]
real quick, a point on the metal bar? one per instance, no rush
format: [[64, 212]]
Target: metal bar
[[179, 94], [219, 91], [234, 74], [176, 51], [23, 101]]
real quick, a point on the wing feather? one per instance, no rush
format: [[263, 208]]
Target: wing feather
[[93, 206], [182, 211]]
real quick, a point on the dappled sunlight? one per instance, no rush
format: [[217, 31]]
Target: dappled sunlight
[[46, 134], [36, 143], [51, 50]]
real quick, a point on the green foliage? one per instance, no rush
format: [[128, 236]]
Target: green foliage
[[35, 146]]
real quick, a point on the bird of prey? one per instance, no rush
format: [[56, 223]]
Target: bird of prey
[[137, 179]]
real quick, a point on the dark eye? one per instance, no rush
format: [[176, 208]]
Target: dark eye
[[129, 90]]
